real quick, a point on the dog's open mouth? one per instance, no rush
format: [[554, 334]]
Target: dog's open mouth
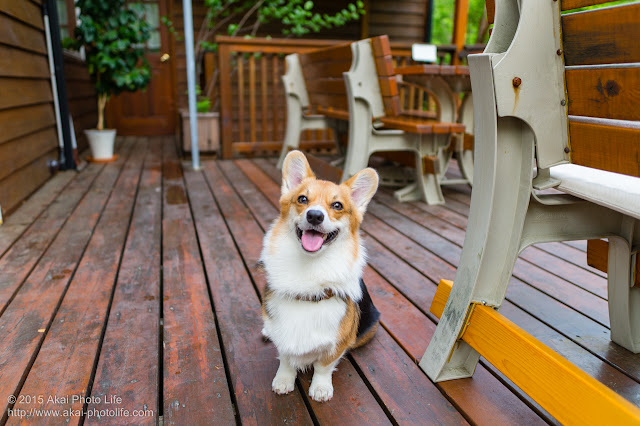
[[313, 240]]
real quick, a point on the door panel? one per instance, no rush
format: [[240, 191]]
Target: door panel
[[151, 111]]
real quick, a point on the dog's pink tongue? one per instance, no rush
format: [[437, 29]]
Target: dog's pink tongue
[[312, 240]]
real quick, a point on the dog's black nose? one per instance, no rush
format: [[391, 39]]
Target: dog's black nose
[[315, 217]]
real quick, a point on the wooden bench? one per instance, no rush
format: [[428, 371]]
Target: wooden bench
[[315, 93], [317, 97], [568, 107], [377, 123]]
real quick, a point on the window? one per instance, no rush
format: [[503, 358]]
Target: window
[[152, 16], [66, 17]]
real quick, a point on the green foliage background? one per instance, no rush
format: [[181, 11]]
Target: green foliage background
[[443, 20]]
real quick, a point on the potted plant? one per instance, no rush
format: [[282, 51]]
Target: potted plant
[[113, 36], [208, 125]]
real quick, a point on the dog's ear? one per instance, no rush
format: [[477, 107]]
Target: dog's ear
[[294, 170], [363, 185]]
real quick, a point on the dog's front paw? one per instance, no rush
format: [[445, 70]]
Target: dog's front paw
[[321, 392], [283, 385]]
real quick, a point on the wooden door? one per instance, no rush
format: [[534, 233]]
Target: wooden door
[[151, 111]]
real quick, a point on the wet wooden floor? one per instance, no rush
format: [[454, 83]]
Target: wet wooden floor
[[129, 294]]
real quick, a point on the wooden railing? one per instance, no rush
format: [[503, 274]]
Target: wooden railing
[[252, 102]]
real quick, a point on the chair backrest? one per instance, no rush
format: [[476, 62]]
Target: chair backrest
[[602, 72], [381, 50], [371, 76], [600, 80], [322, 70]]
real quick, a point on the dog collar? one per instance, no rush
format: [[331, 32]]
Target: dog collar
[[328, 294]]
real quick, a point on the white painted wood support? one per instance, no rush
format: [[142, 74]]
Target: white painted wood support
[[624, 298], [465, 157], [297, 103], [504, 165]]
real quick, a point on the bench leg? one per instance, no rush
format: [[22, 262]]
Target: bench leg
[[465, 156], [624, 298], [296, 123], [498, 210], [293, 129], [426, 187], [427, 182]]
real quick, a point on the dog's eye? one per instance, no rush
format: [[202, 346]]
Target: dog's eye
[[337, 206], [303, 199]]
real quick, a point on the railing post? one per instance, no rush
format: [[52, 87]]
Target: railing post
[[224, 62], [460, 18]]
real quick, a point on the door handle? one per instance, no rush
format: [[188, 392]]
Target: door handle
[[165, 57]]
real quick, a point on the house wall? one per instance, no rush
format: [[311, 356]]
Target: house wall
[[28, 137], [401, 20]]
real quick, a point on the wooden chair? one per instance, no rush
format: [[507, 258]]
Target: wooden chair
[[568, 106], [315, 93], [318, 96], [377, 124]]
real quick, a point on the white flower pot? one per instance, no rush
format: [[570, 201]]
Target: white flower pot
[[101, 143]]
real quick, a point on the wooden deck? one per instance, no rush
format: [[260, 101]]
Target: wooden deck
[[133, 286]]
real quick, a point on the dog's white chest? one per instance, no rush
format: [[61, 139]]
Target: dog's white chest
[[299, 328]]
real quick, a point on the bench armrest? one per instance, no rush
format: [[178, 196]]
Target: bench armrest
[[613, 190]]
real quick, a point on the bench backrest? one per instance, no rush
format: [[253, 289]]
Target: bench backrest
[[381, 50], [316, 77], [602, 60], [371, 77], [322, 70], [600, 81]]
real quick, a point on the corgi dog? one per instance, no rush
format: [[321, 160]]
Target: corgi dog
[[316, 306]]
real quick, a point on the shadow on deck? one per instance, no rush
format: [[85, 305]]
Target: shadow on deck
[[131, 289]]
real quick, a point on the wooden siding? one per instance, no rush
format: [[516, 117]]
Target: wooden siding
[[401, 20], [28, 138]]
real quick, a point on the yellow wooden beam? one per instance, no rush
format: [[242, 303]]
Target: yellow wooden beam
[[563, 390]]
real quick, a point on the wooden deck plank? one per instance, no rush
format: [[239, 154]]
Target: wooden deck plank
[[250, 361], [534, 265], [352, 398], [24, 324], [65, 361], [217, 240], [536, 254], [19, 260], [571, 255], [462, 202], [14, 225], [194, 381], [580, 245], [483, 399], [590, 305], [501, 400], [128, 364]]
